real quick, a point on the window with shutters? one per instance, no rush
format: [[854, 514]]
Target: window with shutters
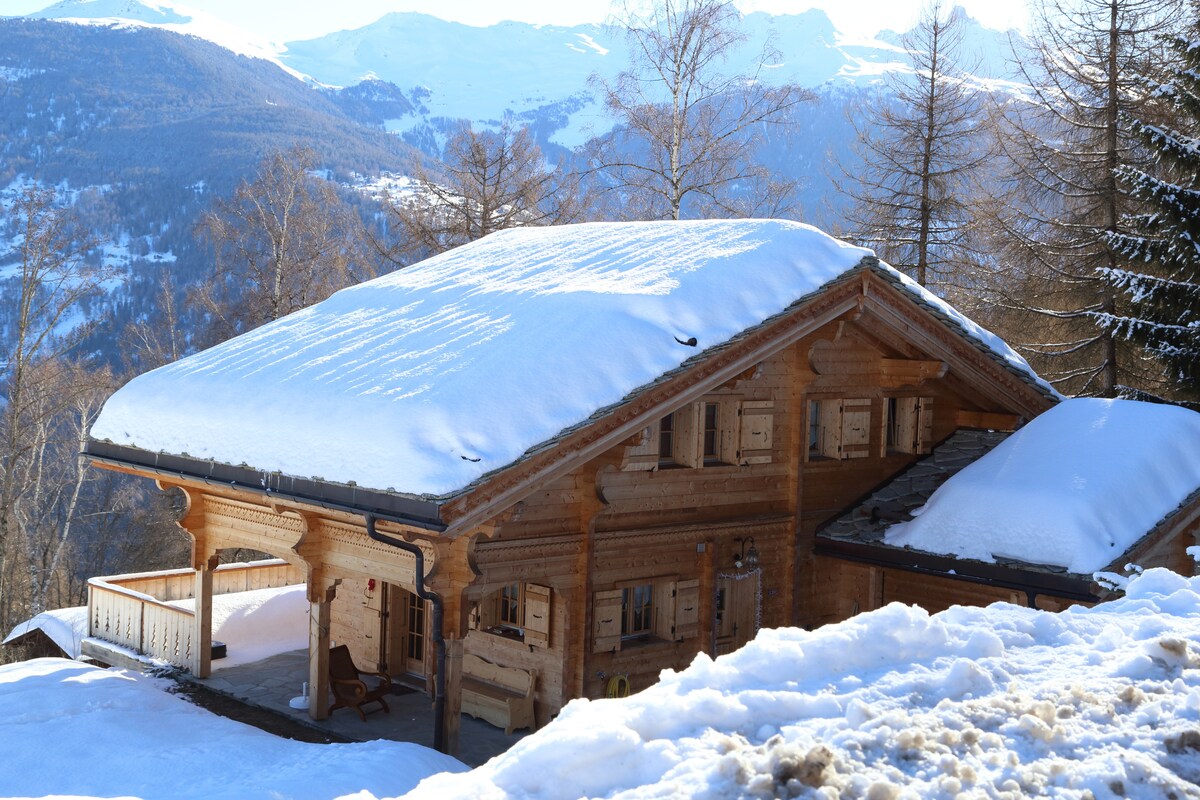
[[713, 432], [519, 611], [908, 425], [653, 609], [637, 611], [839, 428]]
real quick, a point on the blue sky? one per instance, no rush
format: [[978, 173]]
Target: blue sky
[[283, 20]]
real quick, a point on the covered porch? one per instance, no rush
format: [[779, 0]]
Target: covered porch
[[270, 684], [266, 613]]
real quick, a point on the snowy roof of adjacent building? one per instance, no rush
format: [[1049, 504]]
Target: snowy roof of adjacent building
[[897, 499], [424, 380], [1076, 488]]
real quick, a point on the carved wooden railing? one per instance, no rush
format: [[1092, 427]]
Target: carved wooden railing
[[136, 610]]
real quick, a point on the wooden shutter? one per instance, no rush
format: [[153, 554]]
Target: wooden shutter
[[757, 432], [728, 440], [924, 437], [856, 428], [643, 457], [488, 612], [829, 429], [906, 424], [687, 609], [664, 608], [606, 621], [537, 615], [689, 435]]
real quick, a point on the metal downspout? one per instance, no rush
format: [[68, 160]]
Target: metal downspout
[[439, 641]]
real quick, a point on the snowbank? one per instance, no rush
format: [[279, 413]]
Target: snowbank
[[72, 729], [426, 379], [1075, 488], [1004, 702]]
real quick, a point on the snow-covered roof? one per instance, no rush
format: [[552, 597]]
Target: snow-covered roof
[[424, 380], [66, 627], [1075, 488]]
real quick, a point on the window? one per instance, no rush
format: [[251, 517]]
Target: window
[[712, 432], [839, 428], [654, 609], [519, 611], [666, 439], [637, 611], [510, 605], [908, 424]]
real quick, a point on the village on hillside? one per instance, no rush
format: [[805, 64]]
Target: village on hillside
[[527, 470]]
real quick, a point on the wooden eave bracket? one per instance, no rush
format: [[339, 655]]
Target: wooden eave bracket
[[897, 372]]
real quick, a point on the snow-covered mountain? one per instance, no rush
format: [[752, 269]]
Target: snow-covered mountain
[[533, 71], [168, 16], [185, 105], [536, 74]]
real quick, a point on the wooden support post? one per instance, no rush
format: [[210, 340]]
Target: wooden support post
[[320, 597], [453, 706], [202, 638]]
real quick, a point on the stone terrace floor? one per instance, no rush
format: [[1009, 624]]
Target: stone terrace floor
[[271, 683]]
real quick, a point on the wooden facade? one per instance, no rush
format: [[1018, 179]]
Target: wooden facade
[[676, 523]]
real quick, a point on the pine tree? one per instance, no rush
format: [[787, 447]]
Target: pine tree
[[1162, 275], [1084, 69]]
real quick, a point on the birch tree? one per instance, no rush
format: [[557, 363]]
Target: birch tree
[[687, 132], [281, 242], [52, 277]]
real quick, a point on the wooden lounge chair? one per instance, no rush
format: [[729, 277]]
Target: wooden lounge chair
[[349, 688]]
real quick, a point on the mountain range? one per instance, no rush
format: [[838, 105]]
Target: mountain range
[[154, 108]]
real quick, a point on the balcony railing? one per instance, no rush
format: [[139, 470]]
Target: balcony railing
[[142, 612]]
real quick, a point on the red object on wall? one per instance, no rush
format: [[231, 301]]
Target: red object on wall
[[370, 584]]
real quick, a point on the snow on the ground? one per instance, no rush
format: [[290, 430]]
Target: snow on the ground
[[72, 729], [998, 702], [428, 378], [1075, 488]]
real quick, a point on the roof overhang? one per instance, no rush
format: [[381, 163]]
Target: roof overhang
[[1030, 580], [416, 512]]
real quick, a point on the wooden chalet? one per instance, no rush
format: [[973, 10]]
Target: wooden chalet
[[675, 519]]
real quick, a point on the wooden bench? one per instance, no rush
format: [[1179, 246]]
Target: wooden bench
[[500, 695]]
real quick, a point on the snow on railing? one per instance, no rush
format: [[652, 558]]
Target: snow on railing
[[137, 611]]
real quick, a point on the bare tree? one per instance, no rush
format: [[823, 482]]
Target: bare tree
[[687, 133], [919, 146], [158, 338], [38, 486], [282, 242], [490, 181], [1065, 206]]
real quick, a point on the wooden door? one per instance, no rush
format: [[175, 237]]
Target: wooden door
[[407, 632], [735, 617]]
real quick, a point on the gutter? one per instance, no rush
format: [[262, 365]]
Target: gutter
[[1033, 583], [411, 511], [439, 639]]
